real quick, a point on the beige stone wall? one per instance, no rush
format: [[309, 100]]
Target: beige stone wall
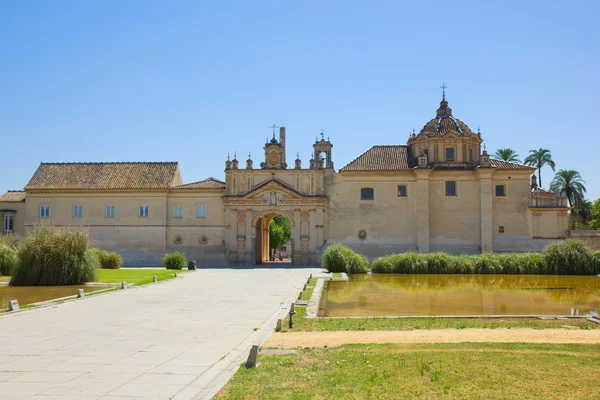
[[590, 238], [511, 211], [306, 181], [454, 221]]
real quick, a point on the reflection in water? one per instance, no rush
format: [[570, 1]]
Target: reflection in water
[[33, 294], [425, 295]]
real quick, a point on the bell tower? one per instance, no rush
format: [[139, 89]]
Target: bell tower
[[322, 154], [275, 151]]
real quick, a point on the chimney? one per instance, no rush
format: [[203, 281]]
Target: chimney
[[282, 141]]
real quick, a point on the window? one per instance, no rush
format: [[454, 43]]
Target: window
[[426, 152], [200, 211], [44, 211], [110, 211], [449, 153], [77, 211], [471, 155], [9, 220], [500, 190], [177, 211], [401, 190], [367, 194], [501, 229], [450, 188], [143, 211]]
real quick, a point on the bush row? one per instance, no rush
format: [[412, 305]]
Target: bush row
[[571, 257], [339, 258]]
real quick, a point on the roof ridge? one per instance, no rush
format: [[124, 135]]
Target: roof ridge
[[108, 162]]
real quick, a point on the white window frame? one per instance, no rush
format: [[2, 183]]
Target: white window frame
[[177, 211], [200, 211], [9, 217], [143, 211], [44, 211], [77, 211], [112, 212]]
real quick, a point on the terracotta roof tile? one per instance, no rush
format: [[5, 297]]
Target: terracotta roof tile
[[13, 196], [383, 158], [107, 176], [209, 183], [508, 165]]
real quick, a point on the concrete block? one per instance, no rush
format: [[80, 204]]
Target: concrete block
[[252, 357], [80, 293], [13, 305]]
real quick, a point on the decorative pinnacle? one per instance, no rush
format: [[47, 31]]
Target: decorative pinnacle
[[322, 134], [235, 155], [227, 156], [249, 155], [297, 154], [274, 127], [443, 87], [328, 139], [478, 130]]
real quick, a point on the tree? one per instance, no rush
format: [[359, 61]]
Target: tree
[[539, 158], [280, 232], [568, 182], [583, 209], [595, 216], [507, 155]]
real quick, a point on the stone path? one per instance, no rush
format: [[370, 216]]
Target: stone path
[[179, 339]]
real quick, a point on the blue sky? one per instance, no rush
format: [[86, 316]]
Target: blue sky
[[193, 81]]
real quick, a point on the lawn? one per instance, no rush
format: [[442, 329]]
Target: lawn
[[390, 324], [136, 276], [449, 371], [4, 278]]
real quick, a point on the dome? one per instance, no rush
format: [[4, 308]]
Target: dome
[[444, 123]]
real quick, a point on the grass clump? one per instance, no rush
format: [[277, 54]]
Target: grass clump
[[108, 260], [174, 260], [339, 258], [55, 256], [8, 260], [570, 257]]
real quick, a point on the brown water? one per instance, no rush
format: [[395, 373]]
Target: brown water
[[428, 295], [33, 294]]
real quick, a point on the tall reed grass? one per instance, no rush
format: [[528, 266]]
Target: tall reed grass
[[8, 260], [571, 257], [339, 258], [55, 256]]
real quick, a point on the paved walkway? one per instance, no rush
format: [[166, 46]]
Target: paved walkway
[[179, 339]]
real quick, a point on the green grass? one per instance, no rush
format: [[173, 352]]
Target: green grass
[[448, 371], [134, 276], [4, 278], [302, 324], [336, 275]]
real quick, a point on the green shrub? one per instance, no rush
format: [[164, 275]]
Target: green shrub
[[339, 258], [382, 265], [11, 241], [571, 257], [55, 256], [464, 264], [439, 263], [174, 260], [487, 264], [109, 260], [596, 262], [8, 260]]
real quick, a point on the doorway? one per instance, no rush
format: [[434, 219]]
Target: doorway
[[274, 239]]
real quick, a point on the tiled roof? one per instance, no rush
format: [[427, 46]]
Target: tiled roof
[[383, 158], [508, 165], [13, 196], [210, 183], [108, 176], [444, 123]]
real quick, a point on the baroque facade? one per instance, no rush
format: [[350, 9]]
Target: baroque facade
[[439, 192]]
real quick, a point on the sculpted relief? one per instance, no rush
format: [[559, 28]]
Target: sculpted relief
[[273, 198]]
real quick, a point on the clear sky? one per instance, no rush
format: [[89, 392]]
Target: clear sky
[[193, 81]]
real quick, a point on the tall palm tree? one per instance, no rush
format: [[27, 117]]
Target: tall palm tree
[[569, 183], [539, 158], [507, 155], [583, 209]]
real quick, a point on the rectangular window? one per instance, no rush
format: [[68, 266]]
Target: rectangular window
[[500, 191], [501, 229], [450, 188], [177, 211], [110, 211], [9, 223], [143, 211], [367, 194], [200, 211], [77, 211], [449, 153], [401, 190], [44, 211]]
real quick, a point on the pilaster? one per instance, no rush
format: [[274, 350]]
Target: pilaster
[[423, 209], [485, 185]]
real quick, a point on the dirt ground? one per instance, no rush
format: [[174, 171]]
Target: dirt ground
[[290, 340]]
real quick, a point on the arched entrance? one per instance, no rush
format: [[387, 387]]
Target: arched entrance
[[283, 239]]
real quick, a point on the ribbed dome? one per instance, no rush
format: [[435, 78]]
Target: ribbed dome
[[444, 123]]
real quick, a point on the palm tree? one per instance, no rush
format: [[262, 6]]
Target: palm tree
[[507, 155], [539, 158], [569, 183], [583, 209]]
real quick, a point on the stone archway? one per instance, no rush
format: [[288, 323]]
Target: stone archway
[[260, 227]]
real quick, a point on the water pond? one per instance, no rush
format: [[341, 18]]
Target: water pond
[[456, 295], [33, 294]]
